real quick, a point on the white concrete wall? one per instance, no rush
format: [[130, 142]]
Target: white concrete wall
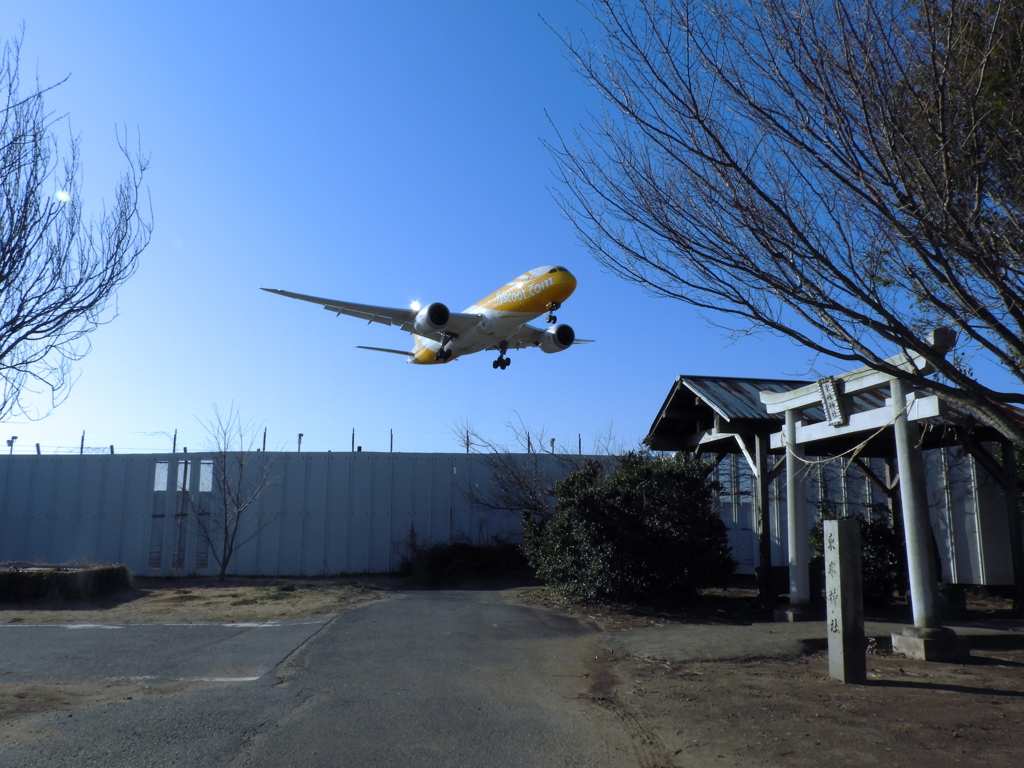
[[324, 513], [330, 513]]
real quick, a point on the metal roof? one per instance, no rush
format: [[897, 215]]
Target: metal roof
[[706, 410], [699, 405], [734, 398]]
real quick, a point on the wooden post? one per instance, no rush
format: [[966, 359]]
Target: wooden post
[[766, 592], [1013, 515], [844, 601]]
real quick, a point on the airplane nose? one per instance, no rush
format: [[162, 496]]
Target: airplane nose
[[568, 281]]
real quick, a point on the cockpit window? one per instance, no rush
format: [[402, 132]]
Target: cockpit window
[[561, 269], [552, 270]]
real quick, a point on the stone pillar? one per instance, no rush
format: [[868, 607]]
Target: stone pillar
[[844, 599], [917, 524], [796, 508], [927, 639]]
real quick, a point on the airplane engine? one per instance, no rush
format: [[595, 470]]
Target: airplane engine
[[433, 317], [557, 338]]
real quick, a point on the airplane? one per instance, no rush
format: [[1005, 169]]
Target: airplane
[[498, 321]]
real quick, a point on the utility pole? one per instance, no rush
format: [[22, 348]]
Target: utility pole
[[10, 444], [300, 443]]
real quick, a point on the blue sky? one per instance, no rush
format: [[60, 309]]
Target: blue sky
[[377, 152]]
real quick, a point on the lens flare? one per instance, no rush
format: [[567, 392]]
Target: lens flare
[[63, 195], [415, 306]]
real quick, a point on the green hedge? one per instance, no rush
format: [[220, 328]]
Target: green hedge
[[883, 553], [647, 531], [451, 563]]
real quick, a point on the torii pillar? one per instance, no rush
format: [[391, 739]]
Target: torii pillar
[[927, 639], [796, 529]]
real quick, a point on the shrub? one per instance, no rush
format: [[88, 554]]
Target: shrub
[[647, 531], [883, 553], [449, 563]]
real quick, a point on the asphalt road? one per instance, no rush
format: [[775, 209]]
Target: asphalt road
[[156, 652], [424, 679]]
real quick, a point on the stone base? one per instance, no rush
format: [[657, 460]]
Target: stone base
[[794, 613], [931, 644]]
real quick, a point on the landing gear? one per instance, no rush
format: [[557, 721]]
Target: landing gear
[[443, 354], [551, 311], [502, 361]]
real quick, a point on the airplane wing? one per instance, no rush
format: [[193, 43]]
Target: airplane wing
[[527, 336], [404, 352], [403, 317]]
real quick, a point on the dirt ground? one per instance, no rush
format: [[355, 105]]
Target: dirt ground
[[759, 713], [790, 713]]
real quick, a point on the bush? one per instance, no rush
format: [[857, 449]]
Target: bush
[[647, 531], [883, 554], [443, 564]]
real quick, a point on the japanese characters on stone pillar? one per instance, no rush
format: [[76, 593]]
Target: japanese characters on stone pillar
[[844, 601]]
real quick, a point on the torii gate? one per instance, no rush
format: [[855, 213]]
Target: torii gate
[[927, 639]]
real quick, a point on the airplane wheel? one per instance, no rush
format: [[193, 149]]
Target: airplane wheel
[[508, 362], [494, 365]]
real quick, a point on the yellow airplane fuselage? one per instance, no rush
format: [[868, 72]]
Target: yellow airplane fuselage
[[528, 296], [498, 322]]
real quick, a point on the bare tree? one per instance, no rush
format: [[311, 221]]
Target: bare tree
[[607, 442], [58, 272], [523, 474], [843, 173], [239, 474]]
